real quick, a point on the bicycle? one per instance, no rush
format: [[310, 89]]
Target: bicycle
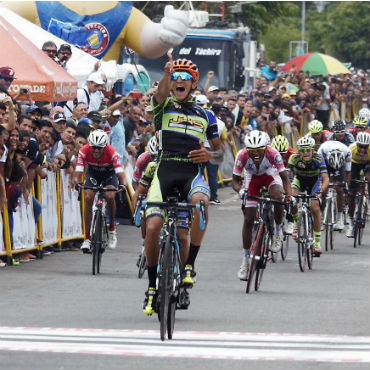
[[287, 218], [141, 261], [260, 248], [99, 229], [360, 214], [330, 216], [170, 269], [305, 237]]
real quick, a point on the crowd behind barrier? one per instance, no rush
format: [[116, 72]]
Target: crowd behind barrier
[[39, 141]]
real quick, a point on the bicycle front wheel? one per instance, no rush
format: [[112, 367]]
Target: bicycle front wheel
[[254, 258], [261, 265], [302, 240], [328, 222], [176, 276], [165, 283], [285, 247], [311, 238], [357, 221], [96, 241]]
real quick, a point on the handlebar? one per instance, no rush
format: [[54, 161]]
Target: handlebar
[[178, 206]]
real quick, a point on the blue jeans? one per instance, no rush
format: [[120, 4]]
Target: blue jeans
[[212, 178], [36, 208]]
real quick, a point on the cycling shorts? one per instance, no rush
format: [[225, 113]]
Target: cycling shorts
[[356, 172], [336, 175], [312, 186], [254, 184], [93, 178], [186, 177]]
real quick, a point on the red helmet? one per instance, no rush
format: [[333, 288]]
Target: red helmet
[[186, 65]]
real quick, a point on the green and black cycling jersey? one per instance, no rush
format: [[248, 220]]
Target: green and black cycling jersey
[[181, 126], [310, 169]]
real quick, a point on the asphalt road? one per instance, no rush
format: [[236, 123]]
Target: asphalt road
[[55, 315]]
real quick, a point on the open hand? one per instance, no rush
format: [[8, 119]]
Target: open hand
[[200, 155]]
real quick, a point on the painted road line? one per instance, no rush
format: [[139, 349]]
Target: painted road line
[[212, 345]]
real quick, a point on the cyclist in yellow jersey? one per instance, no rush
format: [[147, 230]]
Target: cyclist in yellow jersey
[[360, 162]]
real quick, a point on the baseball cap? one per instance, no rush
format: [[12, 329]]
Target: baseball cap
[[285, 96], [65, 47], [59, 117], [201, 99], [272, 88], [32, 108], [94, 115], [292, 92], [213, 88], [95, 77], [118, 113], [86, 121], [7, 72]]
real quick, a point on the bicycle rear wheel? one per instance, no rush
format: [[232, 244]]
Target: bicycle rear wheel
[[253, 259], [302, 240], [261, 265], [165, 285], [363, 220], [96, 241], [357, 221]]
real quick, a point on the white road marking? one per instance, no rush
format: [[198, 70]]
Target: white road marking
[[189, 344]]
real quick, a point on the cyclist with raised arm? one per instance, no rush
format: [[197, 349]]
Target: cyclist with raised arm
[[308, 168], [360, 163], [316, 131], [183, 127], [340, 134], [263, 167], [103, 167], [338, 159], [359, 125]]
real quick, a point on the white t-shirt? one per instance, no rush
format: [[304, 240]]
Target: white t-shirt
[[92, 100], [5, 154]]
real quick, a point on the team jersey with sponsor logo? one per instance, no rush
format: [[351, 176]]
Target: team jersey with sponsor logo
[[182, 126], [272, 163], [140, 166], [308, 170], [109, 162], [328, 146]]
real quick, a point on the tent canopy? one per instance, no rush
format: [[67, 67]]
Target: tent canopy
[[46, 79]]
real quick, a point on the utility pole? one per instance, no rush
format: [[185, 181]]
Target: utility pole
[[303, 20]]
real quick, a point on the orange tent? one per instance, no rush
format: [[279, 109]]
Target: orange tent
[[46, 79]]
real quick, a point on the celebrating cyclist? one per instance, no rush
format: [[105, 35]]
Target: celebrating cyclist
[[316, 131], [183, 127], [360, 162], [359, 125], [340, 134], [103, 167], [338, 159], [263, 167], [308, 167]]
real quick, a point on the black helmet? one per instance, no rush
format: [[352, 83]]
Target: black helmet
[[339, 126]]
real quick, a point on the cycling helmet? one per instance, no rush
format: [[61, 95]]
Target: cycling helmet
[[336, 159], [306, 142], [98, 138], [359, 121], [364, 113], [280, 143], [315, 126], [152, 146], [339, 126], [363, 138], [186, 65], [255, 139]]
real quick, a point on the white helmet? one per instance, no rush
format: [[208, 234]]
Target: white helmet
[[336, 159], [256, 139], [364, 113], [152, 146], [306, 141], [98, 138], [363, 138]]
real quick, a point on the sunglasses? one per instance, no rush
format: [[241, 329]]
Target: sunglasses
[[185, 76], [97, 148], [7, 79], [304, 150], [254, 150], [50, 51], [361, 146]]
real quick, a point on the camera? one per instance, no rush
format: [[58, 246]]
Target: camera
[[24, 91]]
